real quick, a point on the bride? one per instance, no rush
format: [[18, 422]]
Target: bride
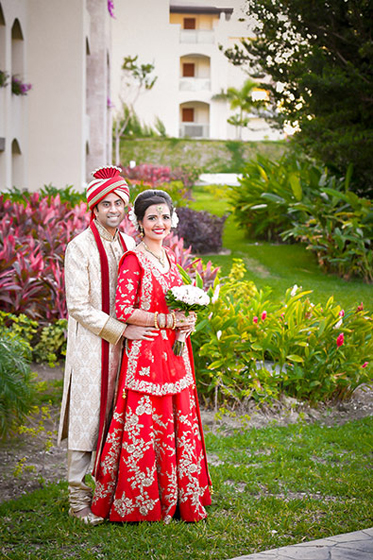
[[153, 464]]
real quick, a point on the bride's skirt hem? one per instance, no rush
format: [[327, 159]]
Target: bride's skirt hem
[[153, 466]]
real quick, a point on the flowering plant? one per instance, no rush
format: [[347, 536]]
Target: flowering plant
[[18, 87], [186, 298]]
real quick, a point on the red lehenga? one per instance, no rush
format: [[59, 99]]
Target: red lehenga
[[153, 461]]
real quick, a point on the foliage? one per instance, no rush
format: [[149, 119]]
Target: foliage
[[52, 343], [4, 77], [295, 199], [318, 55], [242, 100], [34, 232], [338, 228], [249, 345], [133, 126], [67, 195], [202, 230], [36, 429], [238, 161], [33, 238], [19, 87], [160, 127], [206, 155], [17, 391], [261, 204], [135, 79], [153, 176], [45, 343]]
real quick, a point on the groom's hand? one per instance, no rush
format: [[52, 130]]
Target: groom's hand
[[133, 332]]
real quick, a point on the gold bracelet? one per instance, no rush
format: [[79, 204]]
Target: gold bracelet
[[174, 323], [155, 320]]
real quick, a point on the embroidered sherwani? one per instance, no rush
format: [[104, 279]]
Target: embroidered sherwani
[[154, 458], [87, 325]]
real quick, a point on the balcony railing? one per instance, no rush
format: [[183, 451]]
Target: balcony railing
[[197, 36], [194, 84], [194, 130]]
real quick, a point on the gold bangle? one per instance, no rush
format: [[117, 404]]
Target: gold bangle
[[155, 320], [174, 323]]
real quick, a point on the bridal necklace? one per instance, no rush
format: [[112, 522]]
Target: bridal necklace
[[160, 258]]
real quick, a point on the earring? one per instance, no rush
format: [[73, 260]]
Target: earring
[[141, 230]]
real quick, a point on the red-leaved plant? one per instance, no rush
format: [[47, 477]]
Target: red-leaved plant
[[33, 239]]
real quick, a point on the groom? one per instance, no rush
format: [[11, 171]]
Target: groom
[[94, 334]]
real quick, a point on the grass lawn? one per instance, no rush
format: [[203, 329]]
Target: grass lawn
[[273, 486], [280, 266]]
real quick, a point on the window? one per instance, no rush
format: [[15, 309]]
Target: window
[[188, 114], [189, 23], [188, 70]]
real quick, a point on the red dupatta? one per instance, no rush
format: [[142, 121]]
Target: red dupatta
[[105, 306]]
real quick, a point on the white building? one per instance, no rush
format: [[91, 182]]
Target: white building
[[71, 52], [60, 130], [181, 38]]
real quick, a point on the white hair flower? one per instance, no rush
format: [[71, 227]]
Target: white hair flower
[[174, 219], [132, 218]]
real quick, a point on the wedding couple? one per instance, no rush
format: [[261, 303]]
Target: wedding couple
[[144, 423]]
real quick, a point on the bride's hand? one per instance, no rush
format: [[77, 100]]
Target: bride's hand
[[183, 322]]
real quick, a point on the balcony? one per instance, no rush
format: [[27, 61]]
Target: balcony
[[194, 84], [194, 130], [194, 36]]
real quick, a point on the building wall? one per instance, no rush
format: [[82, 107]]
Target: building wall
[[13, 109], [60, 130], [148, 29]]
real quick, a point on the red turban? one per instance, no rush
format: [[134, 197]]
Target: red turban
[[107, 180]]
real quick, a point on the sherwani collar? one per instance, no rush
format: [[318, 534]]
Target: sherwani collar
[[104, 232]]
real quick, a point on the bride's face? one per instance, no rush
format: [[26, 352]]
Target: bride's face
[[156, 222]]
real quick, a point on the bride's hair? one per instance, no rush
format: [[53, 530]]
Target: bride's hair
[[148, 198]]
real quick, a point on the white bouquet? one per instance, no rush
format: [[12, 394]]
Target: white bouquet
[[186, 298]]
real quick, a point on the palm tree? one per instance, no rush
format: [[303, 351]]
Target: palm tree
[[242, 100]]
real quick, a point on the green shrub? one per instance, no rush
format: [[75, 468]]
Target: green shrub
[[52, 343], [67, 195], [339, 230], [45, 344], [17, 391], [177, 191], [249, 346], [261, 204]]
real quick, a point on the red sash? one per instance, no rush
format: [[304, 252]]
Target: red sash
[[105, 306]]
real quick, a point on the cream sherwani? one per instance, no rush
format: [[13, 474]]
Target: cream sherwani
[[87, 324]]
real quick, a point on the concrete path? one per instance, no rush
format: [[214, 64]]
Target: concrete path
[[349, 546], [219, 179]]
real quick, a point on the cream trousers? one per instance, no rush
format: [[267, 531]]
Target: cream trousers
[[78, 463]]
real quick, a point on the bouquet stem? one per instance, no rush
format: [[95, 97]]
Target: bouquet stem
[[179, 344]]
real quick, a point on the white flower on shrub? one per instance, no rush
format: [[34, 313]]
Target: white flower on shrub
[[218, 334], [295, 289], [215, 295]]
